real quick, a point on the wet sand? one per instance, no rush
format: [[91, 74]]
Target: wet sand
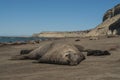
[[93, 68]]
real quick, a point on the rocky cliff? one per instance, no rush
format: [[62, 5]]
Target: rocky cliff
[[109, 26], [112, 12], [62, 34]]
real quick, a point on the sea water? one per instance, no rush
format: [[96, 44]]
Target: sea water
[[21, 39]]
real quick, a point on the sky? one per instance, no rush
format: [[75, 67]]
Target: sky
[[25, 17]]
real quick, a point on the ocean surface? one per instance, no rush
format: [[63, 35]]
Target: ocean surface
[[21, 39]]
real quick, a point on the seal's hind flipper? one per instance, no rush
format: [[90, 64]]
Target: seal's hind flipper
[[19, 57], [25, 51]]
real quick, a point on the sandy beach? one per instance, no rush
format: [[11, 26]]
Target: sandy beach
[[92, 68]]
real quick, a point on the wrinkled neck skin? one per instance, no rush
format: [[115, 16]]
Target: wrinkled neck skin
[[54, 61], [67, 58], [75, 58]]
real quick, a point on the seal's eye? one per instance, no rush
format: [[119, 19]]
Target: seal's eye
[[66, 55]]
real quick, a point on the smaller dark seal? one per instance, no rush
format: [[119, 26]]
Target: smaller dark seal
[[97, 53]]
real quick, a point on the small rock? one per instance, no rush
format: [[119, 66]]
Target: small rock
[[93, 38], [77, 40]]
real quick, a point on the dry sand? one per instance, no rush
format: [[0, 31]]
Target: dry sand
[[93, 68]]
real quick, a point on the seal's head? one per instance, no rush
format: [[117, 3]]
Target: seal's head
[[74, 58]]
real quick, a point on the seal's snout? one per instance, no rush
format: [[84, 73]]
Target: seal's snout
[[73, 58], [73, 63]]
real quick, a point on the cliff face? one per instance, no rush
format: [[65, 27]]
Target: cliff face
[[62, 34], [109, 26], [112, 12]]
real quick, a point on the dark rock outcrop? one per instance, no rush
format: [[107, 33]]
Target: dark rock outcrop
[[115, 27], [112, 12], [108, 14]]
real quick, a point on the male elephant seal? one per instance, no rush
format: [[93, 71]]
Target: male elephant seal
[[57, 53]]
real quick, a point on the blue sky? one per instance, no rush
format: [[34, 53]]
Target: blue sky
[[25, 17]]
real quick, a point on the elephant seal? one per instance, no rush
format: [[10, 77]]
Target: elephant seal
[[97, 53], [55, 53]]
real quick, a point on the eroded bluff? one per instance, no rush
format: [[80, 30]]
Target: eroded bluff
[[112, 12]]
